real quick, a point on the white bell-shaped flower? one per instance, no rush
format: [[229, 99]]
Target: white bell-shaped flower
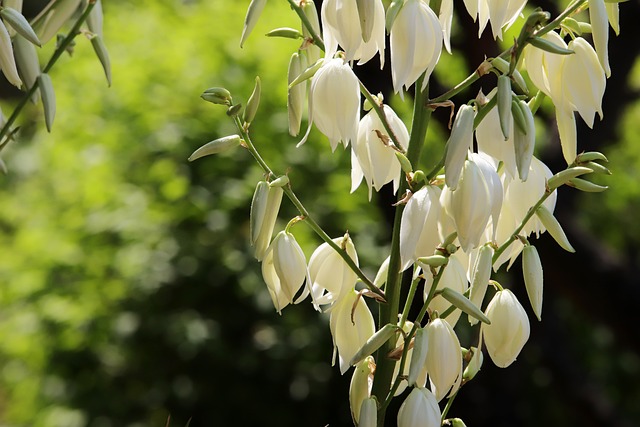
[[334, 103], [416, 44], [351, 325], [488, 167], [545, 68], [444, 358], [469, 205], [453, 277], [371, 157], [458, 145], [360, 386], [419, 409], [583, 80], [501, 13], [341, 25], [284, 269], [329, 274], [491, 141], [509, 329], [419, 225]]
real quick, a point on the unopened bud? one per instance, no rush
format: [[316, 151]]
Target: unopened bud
[[554, 228], [474, 364], [234, 110], [597, 168], [434, 260], [480, 278], [573, 25], [564, 176], [376, 341], [281, 181], [103, 56], [26, 60], [216, 146], [369, 413], [418, 176], [418, 356], [504, 105], [360, 387], [253, 14], [532, 272], [307, 73], [19, 23], [459, 143], [457, 422], [524, 142], [503, 65], [590, 156], [287, 33], [549, 46], [295, 95], [253, 103], [460, 301], [264, 212], [586, 186], [405, 164], [217, 95], [48, 99]]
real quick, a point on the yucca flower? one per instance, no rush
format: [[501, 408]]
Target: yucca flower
[[334, 103], [509, 329], [330, 275], [416, 44], [444, 358], [419, 409], [372, 157], [351, 325]]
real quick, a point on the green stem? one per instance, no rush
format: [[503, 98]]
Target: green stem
[[389, 312], [305, 21], [75, 30], [305, 213], [448, 406], [556, 22], [381, 115]]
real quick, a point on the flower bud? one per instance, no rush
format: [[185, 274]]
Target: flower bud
[[54, 18], [216, 146], [459, 143], [95, 19], [480, 276], [253, 103], [586, 186], [532, 272], [376, 341], [504, 105], [330, 275], [20, 24], [383, 272], [334, 103], [416, 44], [371, 157], [312, 51], [554, 228], [360, 386], [217, 95], [544, 68], [103, 56], [7, 60], [460, 301], [564, 176], [26, 60], [48, 99], [284, 269], [285, 32], [444, 358], [296, 95], [418, 356], [420, 409], [491, 141], [457, 422], [351, 325], [509, 328], [253, 14], [524, 142], [264, 212], [613, 13]]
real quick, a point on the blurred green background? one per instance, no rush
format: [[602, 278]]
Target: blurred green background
[[129, 293]]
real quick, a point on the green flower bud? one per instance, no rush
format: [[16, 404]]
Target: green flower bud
[[524, 141], [296, 95], [253, 14], [532, 272], [504, 105], [585, 27], [586, 186], [281, 181], [253, 103], [217, 95], [554, 228], [217, 146], [234, 110], [457, 422], [590, 156], [312, 51], [597, 168], [481, 274], [27, 61], [434, 260], [95, 19], [573, 25], [103, 56], [564, 176], [307, 73], [55, 17], [48, 99], [549, 46], [376, 341], [503, 66], [419, 356], [20, 24], [405, 164], [285, 32], [7, 60], [463, 303], [264, 212], [459, 143]]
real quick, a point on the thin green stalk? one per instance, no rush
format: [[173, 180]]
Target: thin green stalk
[[305, 213], [305, 21], [75, 30], [381, 114], [448, 406], [389, 312], [556, 22]]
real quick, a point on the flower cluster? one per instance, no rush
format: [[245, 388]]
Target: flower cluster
[[476, 211]]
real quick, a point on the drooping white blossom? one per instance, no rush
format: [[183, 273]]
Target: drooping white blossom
[[329, 274], [351, 325], [416, 44], [419, 409], [372, 157], [509, 329], [444, 358], [334, 103]]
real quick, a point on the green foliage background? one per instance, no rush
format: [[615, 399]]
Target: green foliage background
[[128, 289]]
